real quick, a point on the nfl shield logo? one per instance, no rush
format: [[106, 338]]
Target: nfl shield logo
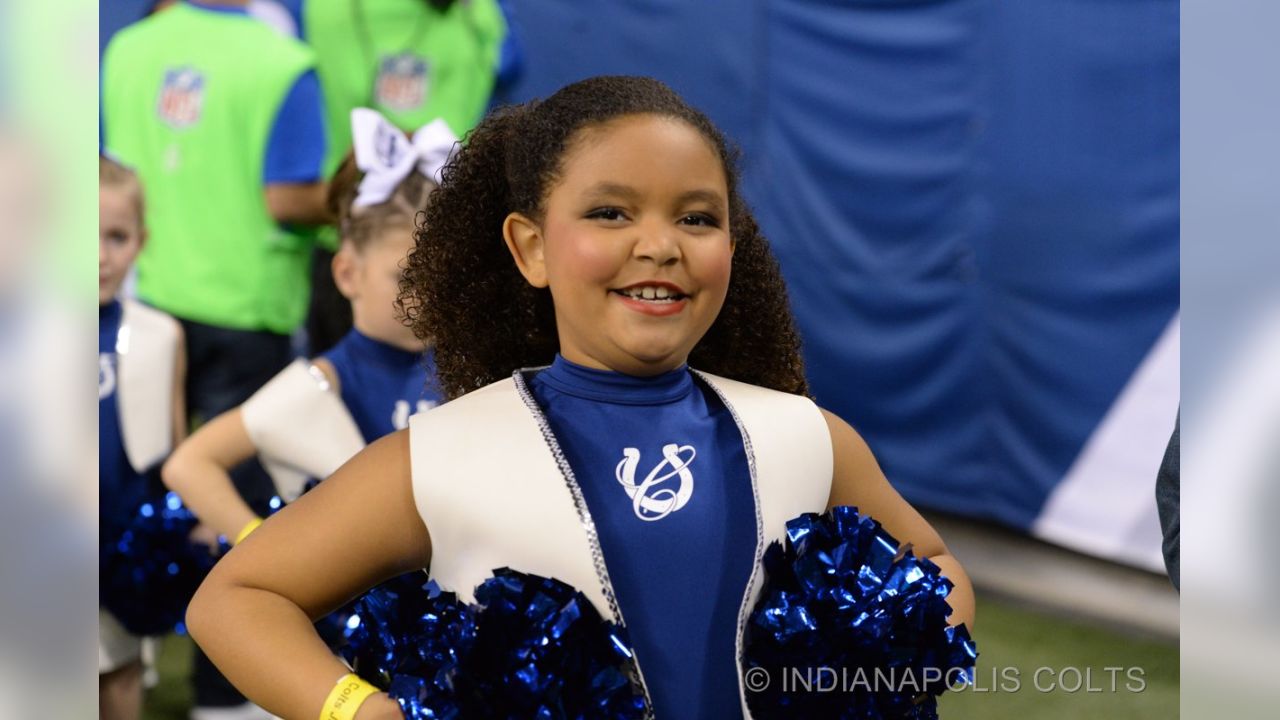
[[401, 84], [181, 97]]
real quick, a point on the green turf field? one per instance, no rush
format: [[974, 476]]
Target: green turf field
[[1014, 645]]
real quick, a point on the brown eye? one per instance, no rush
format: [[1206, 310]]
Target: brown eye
[[700, 219], [610, 214]]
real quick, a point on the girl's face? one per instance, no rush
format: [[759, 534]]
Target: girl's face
[[119, 238], [370, 279], [634, 244]]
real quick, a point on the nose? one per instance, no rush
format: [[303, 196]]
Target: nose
[[657, 243]]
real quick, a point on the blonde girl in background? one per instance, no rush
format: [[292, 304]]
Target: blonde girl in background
[[314, 415], [141, 413]]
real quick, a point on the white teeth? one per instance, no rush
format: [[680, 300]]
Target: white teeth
[[651, 293]]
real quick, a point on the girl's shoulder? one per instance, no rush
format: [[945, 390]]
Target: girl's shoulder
[[746, 395], [325, 374]]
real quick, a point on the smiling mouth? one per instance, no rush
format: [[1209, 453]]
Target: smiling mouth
[[656, 294]]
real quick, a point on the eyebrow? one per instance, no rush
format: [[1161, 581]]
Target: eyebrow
[[626, 192], [608, 189]]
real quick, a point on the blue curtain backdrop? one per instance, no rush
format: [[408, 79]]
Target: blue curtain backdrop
[[975, 204]]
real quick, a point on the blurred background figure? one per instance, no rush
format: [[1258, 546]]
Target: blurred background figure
[[364, 387], [1168, 493], [116, 15], [1231, 458], [414, 61], [1232, 479], [230, 146], [49, 513], [141, 413]]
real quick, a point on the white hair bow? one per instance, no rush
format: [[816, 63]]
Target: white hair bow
[[387, 155]]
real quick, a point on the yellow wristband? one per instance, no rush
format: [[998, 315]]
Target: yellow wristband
[[248, 528], [346, 697]]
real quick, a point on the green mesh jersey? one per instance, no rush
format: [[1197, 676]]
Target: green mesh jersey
[[188, 99], [405, 59]]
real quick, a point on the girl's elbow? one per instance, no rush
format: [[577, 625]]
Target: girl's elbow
[[199, 616], [179, 469], [171, 472]]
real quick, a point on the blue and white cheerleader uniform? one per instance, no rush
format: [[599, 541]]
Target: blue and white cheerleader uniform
[[303, 429], [656, 497], [137, 358]]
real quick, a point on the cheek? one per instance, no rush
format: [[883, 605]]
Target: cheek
[[378, 287], [579, 256], [114, 255], [715, 265]]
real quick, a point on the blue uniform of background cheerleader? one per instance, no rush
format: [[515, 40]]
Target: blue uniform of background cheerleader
[[381, 385], [121, 489]]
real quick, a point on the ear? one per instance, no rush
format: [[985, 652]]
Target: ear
[[346, 265], [524, 239]]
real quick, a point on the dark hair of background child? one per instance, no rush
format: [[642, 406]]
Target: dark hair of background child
[[361, 225], [463, 291], [329, 313]]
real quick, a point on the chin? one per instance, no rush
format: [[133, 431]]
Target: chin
[[412, 344], [649, 362]]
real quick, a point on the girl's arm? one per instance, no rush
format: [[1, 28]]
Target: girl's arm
[[199, 471], [180, 419], [253, 613], [858, 480]]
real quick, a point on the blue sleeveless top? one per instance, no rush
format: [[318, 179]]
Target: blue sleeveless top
[[120, 488], [381, 385], [663, 471]]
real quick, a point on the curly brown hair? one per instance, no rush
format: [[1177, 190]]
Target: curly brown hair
[[462, 289]]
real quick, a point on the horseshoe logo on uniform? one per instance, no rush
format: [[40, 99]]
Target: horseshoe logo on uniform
[[649, 501]]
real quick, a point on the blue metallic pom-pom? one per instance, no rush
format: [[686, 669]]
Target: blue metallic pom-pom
[[849, 625], [530, 647], [148, 568]]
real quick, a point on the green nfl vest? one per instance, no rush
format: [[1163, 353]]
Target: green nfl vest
[[189, 98], [405, 59]]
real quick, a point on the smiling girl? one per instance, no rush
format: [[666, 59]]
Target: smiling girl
[[601, 231]]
